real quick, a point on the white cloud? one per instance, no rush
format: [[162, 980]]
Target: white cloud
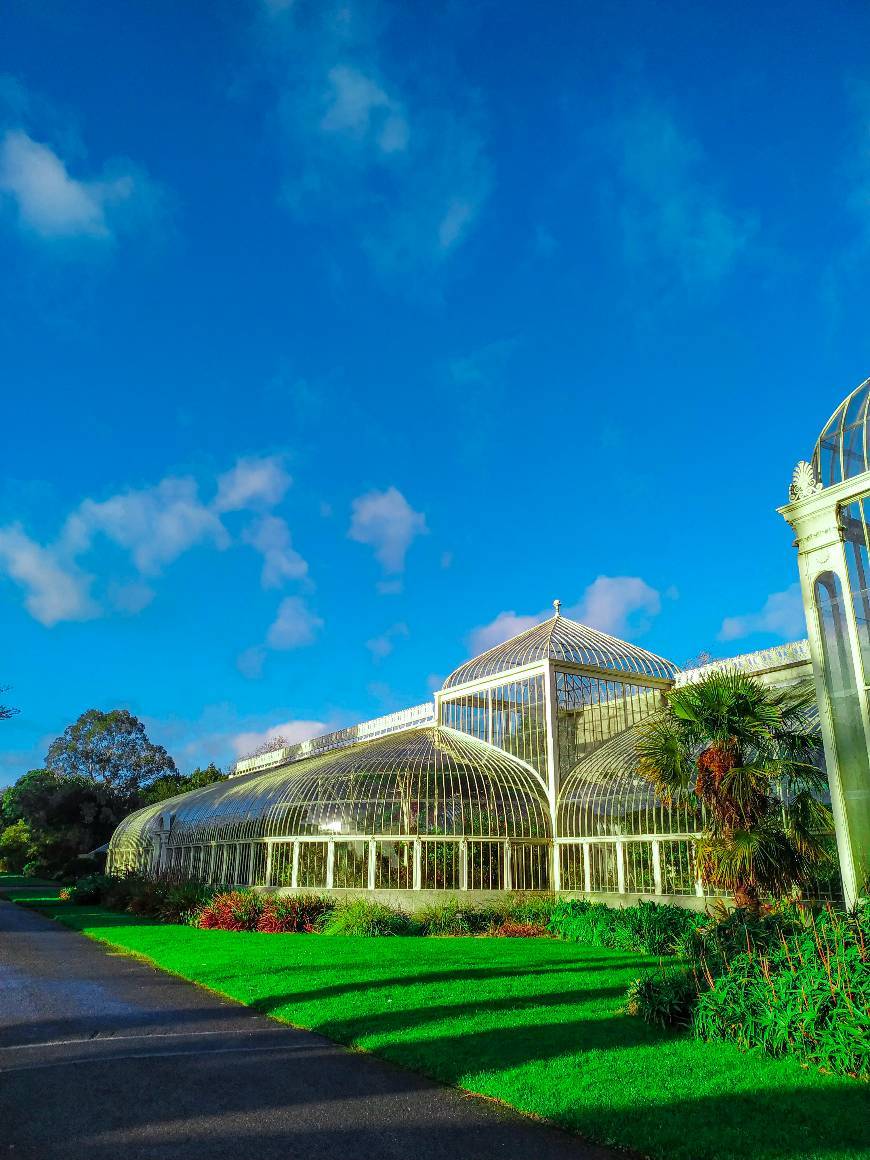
[[620, 605], [270, 536], [294, 626], [359, 108], [250, 662], [387, 522], [782, 615], [56, 590], [381, 646], [289, 731], [155, 524], [505, 625], [406, 167], [610, 603], [53, 204], [253, 482], [670, 212]]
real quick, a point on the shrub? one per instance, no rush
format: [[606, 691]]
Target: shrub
[[362, 917], [89, 889], [667, 998], [181, 901], [293, 914], [449, 917], [511, 929], [806, 994], [648, 927], [231, 910], [534, 909]]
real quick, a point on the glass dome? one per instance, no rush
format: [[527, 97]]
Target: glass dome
[[422, 782], [605, 797], [842, 448], [563, 639]]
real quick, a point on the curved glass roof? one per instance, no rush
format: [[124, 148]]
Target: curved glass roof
[[605, 796], [842, 448], [563, 639], [421, 782]]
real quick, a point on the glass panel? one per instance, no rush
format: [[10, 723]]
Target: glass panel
[[853, 765], [639, 876], [530, 867], [603, 875], [573, 875], [678, 867], [394, 865], [258, 864], [440, 866], [282, 864], [351, 866], [243, 870], [312, 864], [485, 865]]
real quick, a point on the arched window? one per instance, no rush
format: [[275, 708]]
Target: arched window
[[842, 688]]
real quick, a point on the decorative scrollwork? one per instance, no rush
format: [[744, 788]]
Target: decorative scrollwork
[[803, 481]]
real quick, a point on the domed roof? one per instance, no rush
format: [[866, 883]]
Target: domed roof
[[842, 448], [563, 639], [420, 781]]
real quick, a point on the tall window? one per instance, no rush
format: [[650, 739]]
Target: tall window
[[849, 738]]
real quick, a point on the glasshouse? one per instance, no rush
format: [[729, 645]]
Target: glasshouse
[[522, 772], [520, 775]]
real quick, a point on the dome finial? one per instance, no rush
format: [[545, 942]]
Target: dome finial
[[557, 604]]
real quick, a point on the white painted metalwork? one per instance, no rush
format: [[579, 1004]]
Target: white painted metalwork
[[562, 639]]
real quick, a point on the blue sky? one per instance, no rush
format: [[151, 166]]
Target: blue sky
[[338, 339]]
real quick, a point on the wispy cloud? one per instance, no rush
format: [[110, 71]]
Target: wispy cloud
[[408, 171], [381, 646], [153, 526], [294, 626], [619, 605], [290, 732], [670, 210], [386, 522], [55, 589], [781, 615], [51, 203]]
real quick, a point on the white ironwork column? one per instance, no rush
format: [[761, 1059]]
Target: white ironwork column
[[417, 880], [371, 864], [620, 867], [657, 865], [268, 873], [294, 865], [330, 863]]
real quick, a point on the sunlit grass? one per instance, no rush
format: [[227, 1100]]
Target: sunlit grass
[[534, 1022]]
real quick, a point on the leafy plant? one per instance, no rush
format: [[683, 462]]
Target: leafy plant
[[667, 998], [293, 914], [648, 927], [360, 916], [747, 754], [232, 910], [449, 917], [510, 928]]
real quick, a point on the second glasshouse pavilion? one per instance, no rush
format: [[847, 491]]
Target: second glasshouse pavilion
[[522, 772]]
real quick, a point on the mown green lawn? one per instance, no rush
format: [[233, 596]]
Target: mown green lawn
[[534, 1022]]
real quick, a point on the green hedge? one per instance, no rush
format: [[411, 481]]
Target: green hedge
[[648, 927]]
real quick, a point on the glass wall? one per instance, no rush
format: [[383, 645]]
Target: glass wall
[[512, 717], [589, 711]]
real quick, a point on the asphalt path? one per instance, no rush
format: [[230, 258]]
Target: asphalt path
[[103, 1056]]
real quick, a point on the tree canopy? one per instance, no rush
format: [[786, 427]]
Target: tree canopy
[[750, 755], [171, 784], [111, 749]]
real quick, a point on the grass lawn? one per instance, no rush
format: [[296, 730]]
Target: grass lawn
[[534, 1022]]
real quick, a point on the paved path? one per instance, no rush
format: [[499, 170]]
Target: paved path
[[102, 1056]]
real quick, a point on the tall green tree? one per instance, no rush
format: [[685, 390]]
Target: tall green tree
[[112, 749], [171, 784], [748, 754], [49, 820]]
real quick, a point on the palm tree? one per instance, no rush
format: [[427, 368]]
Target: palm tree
[[748, 755]]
